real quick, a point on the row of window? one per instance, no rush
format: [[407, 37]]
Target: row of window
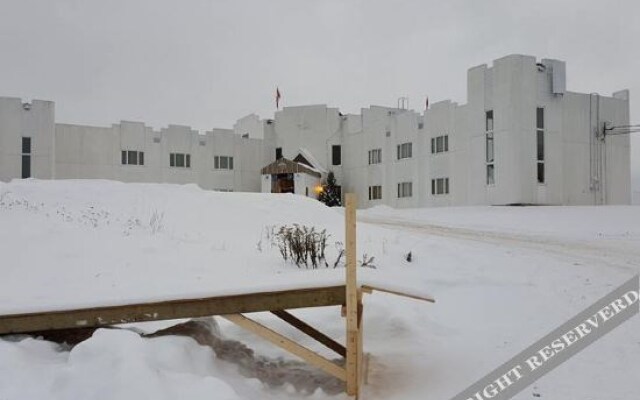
[[440, 186], [375, 156], [490, 151], [131, 157], [223, 162], [375, 192], [405, 150], [405, 189], [178, 160], [540, 143], [440, 144]]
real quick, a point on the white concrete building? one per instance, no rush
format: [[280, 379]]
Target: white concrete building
[[521, 138]]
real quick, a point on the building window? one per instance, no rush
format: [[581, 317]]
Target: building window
[[26, 157], [440, 144], [180, 160], [489, 121], [132, 157], [404, 150], [278, 153], [375, 156], [375, 192], [336, 155], [489, 147], [491, 178], [223, 162], [439, 186], [405, 189], [540, 143]]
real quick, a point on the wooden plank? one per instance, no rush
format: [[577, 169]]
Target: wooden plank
[[288, 345], [311, 331], [370, 289], [360, 365], [352, 296], [175, 309], [365, 367]]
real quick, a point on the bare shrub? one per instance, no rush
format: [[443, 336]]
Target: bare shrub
[[302, 245], [367, 261], [156, 221]]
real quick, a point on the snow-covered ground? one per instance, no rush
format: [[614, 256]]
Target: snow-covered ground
[[502, 277]]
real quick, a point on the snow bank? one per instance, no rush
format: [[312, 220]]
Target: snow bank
[[69, 243], [72, 244], [113, 364]]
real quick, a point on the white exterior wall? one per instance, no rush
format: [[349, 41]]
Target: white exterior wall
[[305, 184], [266, 184], [440, 120], [86, 152], [250, 125], [580, 167], [34, 120], [370, 133], [314, 128]]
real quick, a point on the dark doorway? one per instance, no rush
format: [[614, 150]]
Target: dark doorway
[[282, 183]]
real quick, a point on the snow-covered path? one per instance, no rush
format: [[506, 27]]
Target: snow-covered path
[[618, 253], [548, 279]]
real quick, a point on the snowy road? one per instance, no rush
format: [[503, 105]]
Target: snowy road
[[533, 281], [618, 253]]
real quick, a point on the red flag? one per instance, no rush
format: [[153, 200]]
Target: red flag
[[278, 98], [426, 105]]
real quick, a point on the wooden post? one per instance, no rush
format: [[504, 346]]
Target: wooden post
[[352, 296], [361, 365]]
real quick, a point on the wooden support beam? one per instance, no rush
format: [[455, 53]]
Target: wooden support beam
[[288, 345], [351, 296], [369, 289], [175, 309], [365, 367], [311, 331], [360, 370]]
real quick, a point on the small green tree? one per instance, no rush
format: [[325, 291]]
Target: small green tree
[[330, 194]]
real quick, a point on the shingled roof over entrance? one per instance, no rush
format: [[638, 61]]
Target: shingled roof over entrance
[[285, 166]]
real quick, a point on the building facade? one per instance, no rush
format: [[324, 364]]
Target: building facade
[[521, 138]]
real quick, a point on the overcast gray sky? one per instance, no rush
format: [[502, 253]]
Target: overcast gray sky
[[207, 63]]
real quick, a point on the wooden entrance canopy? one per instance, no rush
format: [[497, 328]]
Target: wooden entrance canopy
[[285, 166], [233, 308]]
